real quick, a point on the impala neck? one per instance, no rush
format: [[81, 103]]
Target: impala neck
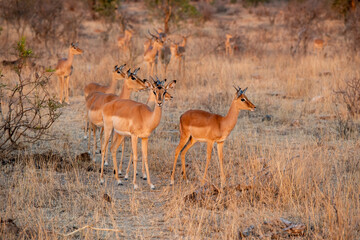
[[113, 84], [229, 121], [151, 100], [70, 57], [155, 117], [125, 92]]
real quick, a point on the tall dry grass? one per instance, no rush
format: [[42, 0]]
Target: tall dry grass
[[313, 170]]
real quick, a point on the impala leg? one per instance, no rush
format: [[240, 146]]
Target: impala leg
[[220, 146], [190, 144], [94, 137], [61, 87], [89, 135], [144, 177], [122, 155], [183, 67], [86, 125], [67, 89], [107, 133], [128, 168], [183, 140], [134, 140], [101, 140], [117, 140], [144, 147], [208, 157]]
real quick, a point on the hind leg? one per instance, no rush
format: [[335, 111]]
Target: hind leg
[[183, 140]]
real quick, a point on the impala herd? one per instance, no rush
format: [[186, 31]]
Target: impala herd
[[119, 117]]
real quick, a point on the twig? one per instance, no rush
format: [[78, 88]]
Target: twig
[[93, 228]]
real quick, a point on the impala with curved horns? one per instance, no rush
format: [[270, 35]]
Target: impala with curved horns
[[130, 118], [152, 52], [198, 125], [96, 101]]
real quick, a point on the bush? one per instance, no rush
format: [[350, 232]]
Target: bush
[[30, 109]]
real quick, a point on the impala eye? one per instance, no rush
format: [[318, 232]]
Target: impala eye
[[243, 99]]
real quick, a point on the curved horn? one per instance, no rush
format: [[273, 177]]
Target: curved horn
[[136, 70], [116, 67], [152, 34], [128, 72], [122, 66], [244, 90]]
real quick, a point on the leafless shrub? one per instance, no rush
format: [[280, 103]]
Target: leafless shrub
[[302, 19], [206, 10], [30, 109], [351, 96], [352, 30]]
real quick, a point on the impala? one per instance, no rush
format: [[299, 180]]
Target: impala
[[130, 118], [151, 103], [64, 70], [118, 74], [96, 101], [318, 44], [198, 125], [151, 53], [125, 41], [228, 45], [95, 87], [177, 53]]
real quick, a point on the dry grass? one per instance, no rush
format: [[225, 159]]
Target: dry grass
[[313, 170]]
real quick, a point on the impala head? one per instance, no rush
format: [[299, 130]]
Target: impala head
[[161, 33], [159, 41], [118, 72], [242, 102], [160, 88], [133, 82], [74, 49]]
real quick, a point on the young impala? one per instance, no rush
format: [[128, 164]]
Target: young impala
[[64, 70], [152, 52], [198, 125], [130, 118]]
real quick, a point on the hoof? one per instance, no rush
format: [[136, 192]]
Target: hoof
[[106, 164], [136, 186], [152, 187], [120, 173], [144, 177], [119, 182], [85, 137], [126, 177], [102, 181], [171, 182]]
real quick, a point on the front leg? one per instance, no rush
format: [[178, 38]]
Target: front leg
[[208, 157], [144, 146], [220, 146], [61, 87], [67, 89], [134, 140]]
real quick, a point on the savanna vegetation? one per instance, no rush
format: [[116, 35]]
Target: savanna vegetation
[[292, 166]]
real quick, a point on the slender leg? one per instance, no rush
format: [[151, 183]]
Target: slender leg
[[183, 140], [128, 168], [86, 124], [122, 155], [192, 142], [183, 67], [67, 89], [144, 147], [220, 154], [208, 157], [134, 140], [117, 140], [101, 139], [94, 136], [61, 87], [107, 133]]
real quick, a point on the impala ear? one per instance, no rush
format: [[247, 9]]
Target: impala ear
[[168, 96], [170, 84]]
